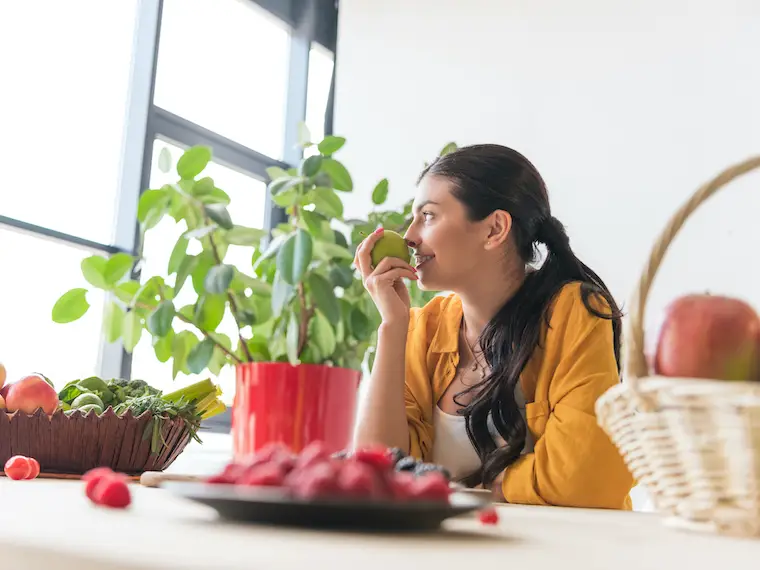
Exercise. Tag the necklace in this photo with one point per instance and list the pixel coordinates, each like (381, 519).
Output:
(476, 362)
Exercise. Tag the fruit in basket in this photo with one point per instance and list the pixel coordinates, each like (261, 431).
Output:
(29, 394)
(709, 336)
(2, 403)
(3, 374)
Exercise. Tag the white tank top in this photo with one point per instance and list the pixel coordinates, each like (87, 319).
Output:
(452, 447)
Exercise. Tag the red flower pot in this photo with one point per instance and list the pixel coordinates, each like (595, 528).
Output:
(295, 405)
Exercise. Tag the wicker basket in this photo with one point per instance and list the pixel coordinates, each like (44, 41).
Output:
(694, 444)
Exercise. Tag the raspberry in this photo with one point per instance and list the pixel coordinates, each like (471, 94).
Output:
(270, 451)
(112, 491)
(96, 472)
(358, 480)
(312, 454)
(267, 475)
(94, 477)
(378, 458)
(430, 487)
(488, 516)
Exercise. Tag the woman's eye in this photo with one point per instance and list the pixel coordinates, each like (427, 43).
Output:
(427, 216)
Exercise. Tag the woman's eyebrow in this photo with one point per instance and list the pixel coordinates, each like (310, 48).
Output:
(425, 203)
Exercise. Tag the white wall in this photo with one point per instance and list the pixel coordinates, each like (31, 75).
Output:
(625, 107)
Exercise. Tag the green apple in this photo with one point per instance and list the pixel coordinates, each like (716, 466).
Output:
(391, 244)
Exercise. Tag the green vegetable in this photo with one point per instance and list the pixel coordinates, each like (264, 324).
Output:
(87, 408)
(86, 399)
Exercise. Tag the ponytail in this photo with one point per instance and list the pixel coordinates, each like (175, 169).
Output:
(509, 340)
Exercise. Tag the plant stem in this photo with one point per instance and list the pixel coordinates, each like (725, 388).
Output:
(184, 319)
(306, 314)
(233, 302)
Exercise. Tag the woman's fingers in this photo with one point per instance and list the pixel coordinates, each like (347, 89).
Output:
(389, 277)
(388, 263)
(363, 259)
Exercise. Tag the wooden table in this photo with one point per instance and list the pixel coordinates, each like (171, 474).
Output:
(50, 524)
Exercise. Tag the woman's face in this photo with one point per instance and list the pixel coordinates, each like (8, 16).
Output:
(449, 248)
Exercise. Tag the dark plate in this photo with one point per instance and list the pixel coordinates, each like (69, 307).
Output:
(273, 506)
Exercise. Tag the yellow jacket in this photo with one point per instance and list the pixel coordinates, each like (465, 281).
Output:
(574, 463)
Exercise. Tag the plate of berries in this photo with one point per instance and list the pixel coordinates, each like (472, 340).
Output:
(367, 489)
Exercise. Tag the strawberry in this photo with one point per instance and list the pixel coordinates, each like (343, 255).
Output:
(377, 457)
(316, 482)
(400, 484)
(267, 475)
(432, 486)
(312, 454)
(113, 492)
(488, 516)
(358, 480)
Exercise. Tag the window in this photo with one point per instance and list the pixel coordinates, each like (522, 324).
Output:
(321, 63)
(223, 64)
(62, 110)
(36, 272)
(248, 208)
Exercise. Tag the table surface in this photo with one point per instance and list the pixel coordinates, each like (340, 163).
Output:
(50, 524)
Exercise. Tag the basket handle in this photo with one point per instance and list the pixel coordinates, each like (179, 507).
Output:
(635, 359)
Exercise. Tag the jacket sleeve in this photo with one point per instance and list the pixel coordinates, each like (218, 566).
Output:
(574, 463)
(417, 390)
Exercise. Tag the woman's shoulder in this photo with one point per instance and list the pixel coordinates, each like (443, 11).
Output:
(574, 304)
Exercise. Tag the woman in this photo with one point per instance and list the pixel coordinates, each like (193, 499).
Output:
(496, 381)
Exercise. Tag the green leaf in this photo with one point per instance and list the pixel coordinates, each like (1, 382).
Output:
(322, 334)
(331, 144)
(131, 330)
(342, 276)
(209, 311)
(160, 320)
(162, 346)
(204, 186)
(193, 161)
(126, 291)
(200, 356)
(245, 281)
(71, 306)
(304, 135)
(311, 165)
(450, 147)
(183, 344)
(117, 267)
(360, 325)
(326, 202)
(282, 294)
(327, 251)
(113, 321)
(286, 198)
(94, 271)
(294, 256)
(324, 297)
(340, 238)
(313, 224)
(380, 193)
(186, 267)
(200, 233)
(150, 201)
(178, 255)
(204, 262)
(241, 235)
(291, 339)
(216, 196)
(340, 177)
(219, 214)
(165, 160)
(219, 278)
(275, 172)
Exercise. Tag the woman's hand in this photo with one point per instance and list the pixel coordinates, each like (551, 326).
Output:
(384, 282)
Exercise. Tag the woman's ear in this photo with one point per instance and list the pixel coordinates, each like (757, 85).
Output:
(499, 224)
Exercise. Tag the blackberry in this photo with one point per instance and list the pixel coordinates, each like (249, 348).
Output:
(423, 468)
(408, 463)
(396, 454)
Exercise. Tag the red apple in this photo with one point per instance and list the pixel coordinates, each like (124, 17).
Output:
(709, 336)
(30, 393)
(2, 403)
(2, 374)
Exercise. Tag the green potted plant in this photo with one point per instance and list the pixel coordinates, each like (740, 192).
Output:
(306, 327)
